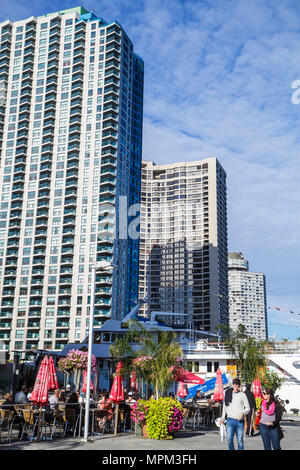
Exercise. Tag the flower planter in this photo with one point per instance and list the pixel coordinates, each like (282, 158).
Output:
(138, 430)
(145, 431)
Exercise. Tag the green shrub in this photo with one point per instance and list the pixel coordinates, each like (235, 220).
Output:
(164, 418)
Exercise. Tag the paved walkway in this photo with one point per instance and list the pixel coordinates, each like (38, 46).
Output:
(184, 441)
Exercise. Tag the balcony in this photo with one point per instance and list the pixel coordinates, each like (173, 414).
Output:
(66, 260)
(31, 345)
(5, 325)
(6, 313)
(72, 183)
(38, 261)
(63, 312)
(64, 301)
(37, 271)
(36, 292)
(34, 312)
(37, 281)
(33, 324)
(65, 280)
(33, 334)
(35, 302)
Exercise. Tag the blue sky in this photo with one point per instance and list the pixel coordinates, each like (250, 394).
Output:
(218, 79)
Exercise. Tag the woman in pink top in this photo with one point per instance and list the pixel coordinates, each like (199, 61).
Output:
(269, 423)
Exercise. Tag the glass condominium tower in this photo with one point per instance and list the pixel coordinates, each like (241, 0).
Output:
(71, 146)
(183, 245)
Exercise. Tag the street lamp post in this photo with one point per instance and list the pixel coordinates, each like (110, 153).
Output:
(101, 265)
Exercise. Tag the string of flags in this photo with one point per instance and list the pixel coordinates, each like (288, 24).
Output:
(281, 324)
(284, 310)
(274, 308)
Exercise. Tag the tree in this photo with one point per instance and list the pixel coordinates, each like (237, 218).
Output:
(123, 350)
(157, 350)
(249, 353)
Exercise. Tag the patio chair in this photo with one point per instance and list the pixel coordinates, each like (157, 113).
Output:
(71, 419)
(58, 423)
(5, 422)
(100, 421)
(31, 420)
(196, 418)
(124, 418)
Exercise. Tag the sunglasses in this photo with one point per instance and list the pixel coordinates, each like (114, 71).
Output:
(265, 393)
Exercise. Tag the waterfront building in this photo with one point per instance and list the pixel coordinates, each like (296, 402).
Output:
(71, 133)
(247, 297)
(183, 243)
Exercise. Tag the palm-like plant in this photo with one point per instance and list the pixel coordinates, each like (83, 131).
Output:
(249, 353)
(158, 345)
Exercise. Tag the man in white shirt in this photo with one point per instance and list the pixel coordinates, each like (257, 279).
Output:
(236, 407)
(130, 400)
(53, 400)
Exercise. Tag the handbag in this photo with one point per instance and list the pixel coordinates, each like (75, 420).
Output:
(280, 432)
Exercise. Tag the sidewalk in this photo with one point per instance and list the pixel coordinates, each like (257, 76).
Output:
(184, 441)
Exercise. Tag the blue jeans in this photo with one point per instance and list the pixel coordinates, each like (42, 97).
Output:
(235, 426)
(270, 437)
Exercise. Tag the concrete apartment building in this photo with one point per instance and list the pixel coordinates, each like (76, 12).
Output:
(71, 144)
(247, 297)
(183, 243)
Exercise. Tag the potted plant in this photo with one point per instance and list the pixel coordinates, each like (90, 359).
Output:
(139, 411)
(75, 362)
(163, 417)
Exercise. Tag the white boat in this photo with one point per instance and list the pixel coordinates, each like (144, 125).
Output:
(203, 354)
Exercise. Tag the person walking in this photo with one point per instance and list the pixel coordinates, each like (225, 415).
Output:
(250, 415)
(236, 407)
(269, 426)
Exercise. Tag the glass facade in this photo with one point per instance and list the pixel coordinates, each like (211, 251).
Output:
(71, 108)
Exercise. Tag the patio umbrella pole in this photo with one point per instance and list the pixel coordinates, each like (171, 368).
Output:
(80, 419)
(116, 419)
(39, 424)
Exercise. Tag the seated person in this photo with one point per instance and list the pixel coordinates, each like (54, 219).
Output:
(72, 402)
(21, 396)
(104, 405)
(7, 405)
(53, 400)
(197, 398)
(130, 400)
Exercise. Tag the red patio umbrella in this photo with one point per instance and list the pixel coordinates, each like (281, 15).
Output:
(84, 376)
(182, 375)
(53, 382)
(117, 389)
(133, 382)
(117, 392)
(182, 390)
(256, 387)
(41, 386)
(39, 394)
(219, 390)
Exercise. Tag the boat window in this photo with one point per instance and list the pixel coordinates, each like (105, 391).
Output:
(106, 337)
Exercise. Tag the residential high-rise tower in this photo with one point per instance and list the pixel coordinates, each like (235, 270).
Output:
(71, 137)
(183, 246)
(247, 297)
